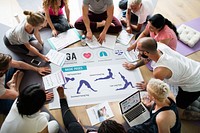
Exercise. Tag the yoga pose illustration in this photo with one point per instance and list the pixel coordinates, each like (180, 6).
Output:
(67, 80)
(126, 83)
(87, 84)
(110, 75)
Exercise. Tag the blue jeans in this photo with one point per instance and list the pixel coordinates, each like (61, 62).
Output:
(5, 104)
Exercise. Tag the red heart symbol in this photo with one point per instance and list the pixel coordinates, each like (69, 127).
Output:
(87, 55)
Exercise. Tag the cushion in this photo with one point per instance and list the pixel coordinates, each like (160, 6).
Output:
(188, 35)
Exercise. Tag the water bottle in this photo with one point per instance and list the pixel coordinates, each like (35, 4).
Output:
(83, 40)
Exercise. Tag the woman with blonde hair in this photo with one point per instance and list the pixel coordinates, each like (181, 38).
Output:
(53, 10)
(20, 39)
(163, 113)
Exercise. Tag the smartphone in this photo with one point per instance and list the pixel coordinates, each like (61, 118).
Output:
(35, 62)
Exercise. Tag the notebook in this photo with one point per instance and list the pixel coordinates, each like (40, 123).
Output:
(64, 39)
(133, 110)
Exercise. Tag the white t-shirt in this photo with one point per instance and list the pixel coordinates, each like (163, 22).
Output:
(146, 9)
(185, 71)
(15, 123)
(2, 88)
(18, 34)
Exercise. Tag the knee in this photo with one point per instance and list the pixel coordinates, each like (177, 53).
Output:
(78, 25)
(53, 126)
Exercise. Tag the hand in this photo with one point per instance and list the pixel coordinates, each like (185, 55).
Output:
(89, 35)
(43, 70)
(45, 58)
(41, 42)
(133, 46)
(129, 30)
(112, 24)
(49, 95)
(71, 25)
(102, 37)
(54, 32)
(129, 66)
(142, 85)
(146, 101)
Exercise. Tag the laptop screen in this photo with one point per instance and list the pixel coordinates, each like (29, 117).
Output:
(130, 102)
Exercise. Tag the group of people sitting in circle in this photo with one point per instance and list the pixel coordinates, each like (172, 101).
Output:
(156, 43)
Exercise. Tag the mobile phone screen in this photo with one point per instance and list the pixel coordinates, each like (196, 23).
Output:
(35, 62)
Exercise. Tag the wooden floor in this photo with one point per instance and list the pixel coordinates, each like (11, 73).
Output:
(177, 11)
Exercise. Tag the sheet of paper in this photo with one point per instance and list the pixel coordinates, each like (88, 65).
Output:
(109, 42)
(124, 37)
(99, 113)
(56, 57)
(55, 104)
(131, 56)
(53, 80)
(64, 39)
(93, 43)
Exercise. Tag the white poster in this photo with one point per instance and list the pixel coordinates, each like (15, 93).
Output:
(96, 75)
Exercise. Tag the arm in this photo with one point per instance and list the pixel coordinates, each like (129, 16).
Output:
(86, 21)
(37, 36)
(162, 73)
(9, 94)
(128, 21)
(130, 26)
(36, 52)
(26, 66)
(163, 121)
(67, 11)
(110, 10)
(46, 11)
(134, 45)
(128, 17)
(136, 27)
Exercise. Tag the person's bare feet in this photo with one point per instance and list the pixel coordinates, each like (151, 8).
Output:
(19, 79)
(14, 83)
(61, 93)
(102, 23)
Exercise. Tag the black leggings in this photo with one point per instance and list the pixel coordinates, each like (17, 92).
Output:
(60, 23)
(70, 122)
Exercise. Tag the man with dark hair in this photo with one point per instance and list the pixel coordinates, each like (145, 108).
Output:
(10, 80)
(174, 69)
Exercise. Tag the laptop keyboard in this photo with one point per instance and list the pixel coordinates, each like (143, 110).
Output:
(135, 112)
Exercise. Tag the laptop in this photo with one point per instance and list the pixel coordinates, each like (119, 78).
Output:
(133, 110)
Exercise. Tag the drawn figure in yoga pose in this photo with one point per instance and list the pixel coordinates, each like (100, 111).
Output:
(87, 84)
(67, 80)
(126, 83)
(110, 75)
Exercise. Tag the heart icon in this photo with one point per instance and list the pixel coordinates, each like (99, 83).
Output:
(87, 55)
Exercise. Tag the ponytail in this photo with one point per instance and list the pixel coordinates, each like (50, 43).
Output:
(171, 26)
(34, 18)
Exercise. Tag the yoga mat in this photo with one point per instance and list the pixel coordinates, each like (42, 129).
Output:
(183, 48)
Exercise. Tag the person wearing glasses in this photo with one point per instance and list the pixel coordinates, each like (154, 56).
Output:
(162, 30)
(175, 69)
